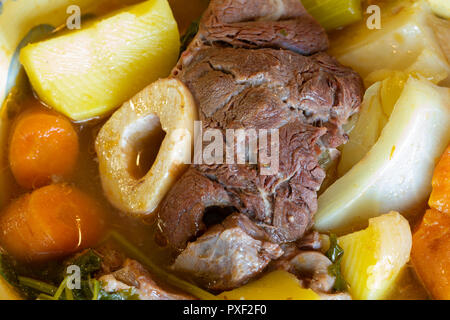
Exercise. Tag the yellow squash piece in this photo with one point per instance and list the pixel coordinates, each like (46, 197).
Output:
(277, 285)
(411, 38)
(396, 173)
(374, 257)
(90, 72)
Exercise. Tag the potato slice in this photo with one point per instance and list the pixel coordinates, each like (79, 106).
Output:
(396, 173)
(277, 285)
(409, 34)
(166, 105)
(90, 72)
(374, 257)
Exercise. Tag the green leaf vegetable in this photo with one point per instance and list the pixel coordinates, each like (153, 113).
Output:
(335, 254)
(135, 253)
(190, 33)
(90, 288)
(187, 38)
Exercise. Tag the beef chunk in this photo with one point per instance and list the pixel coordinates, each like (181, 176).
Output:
(133, 275)
(263, 93)
(266, 88)
(282, 204)
(311, 241)
(258, 24)
(112, 259)
(256, 64)
(228, 254)
(181, 215)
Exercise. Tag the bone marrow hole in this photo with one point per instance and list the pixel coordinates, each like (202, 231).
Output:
(214, 215)
(143, 139)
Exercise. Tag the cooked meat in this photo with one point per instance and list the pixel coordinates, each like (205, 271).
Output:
(257, 64)
(311, 241)
(283, 205)
(310, 267)
(335, 296)
(133, 275)
(301, 96)
(228, 254)
(255, 24)
(182, 211)
(313, 265)
(267, 88)
(112, 259)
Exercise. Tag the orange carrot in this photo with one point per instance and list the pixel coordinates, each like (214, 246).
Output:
(43, 148)
(430, 253)
(50, 222)
(440, 197)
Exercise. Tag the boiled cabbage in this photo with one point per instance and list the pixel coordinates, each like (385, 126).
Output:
(411, 39)
(396, 173)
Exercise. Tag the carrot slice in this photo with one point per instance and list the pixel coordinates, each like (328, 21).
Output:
(43, 148)
(430, 253)
(440, 196)
(51, 222)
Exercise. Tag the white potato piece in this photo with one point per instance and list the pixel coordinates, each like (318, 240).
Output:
(165, 105)
(410, 35)
(396, 173)
(374, 257)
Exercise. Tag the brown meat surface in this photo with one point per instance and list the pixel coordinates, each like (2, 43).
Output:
(228, 254)
(132, 275)
(255, 24)
(183, 214)
(307, 99)
(256, 64)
